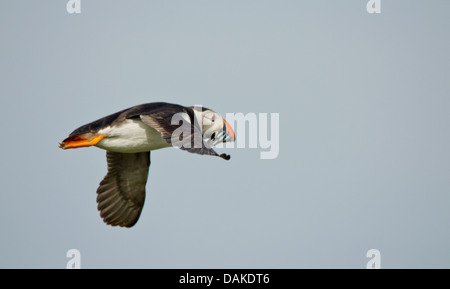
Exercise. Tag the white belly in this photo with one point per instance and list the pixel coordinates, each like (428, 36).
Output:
(132, 136)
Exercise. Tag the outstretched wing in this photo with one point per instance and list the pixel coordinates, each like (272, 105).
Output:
(121, 193)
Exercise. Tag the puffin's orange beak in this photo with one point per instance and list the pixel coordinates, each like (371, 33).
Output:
(228, 133)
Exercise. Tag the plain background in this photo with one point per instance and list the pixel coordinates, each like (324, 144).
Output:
(364, 156)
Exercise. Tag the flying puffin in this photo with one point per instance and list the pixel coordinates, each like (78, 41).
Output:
(129, 135)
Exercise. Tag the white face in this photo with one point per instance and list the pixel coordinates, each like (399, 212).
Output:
(212, 127)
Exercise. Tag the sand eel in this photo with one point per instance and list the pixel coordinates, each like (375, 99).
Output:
(129, 135)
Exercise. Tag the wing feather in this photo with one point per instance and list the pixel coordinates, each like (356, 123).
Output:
(162, 122)
(121, 193)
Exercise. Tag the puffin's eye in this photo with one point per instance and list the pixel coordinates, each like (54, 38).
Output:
(213, 136)
(213, 119)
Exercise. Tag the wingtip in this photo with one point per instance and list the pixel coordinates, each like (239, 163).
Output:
(225, 157)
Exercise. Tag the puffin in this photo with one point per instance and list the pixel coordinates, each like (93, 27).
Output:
(128, 136)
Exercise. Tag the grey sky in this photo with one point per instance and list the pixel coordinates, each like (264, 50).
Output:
(364, 158)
